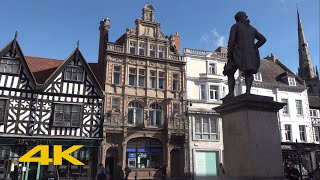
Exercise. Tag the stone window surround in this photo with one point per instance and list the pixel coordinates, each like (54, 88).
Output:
(217, 120)
(207, 91)
(288, 132)
(147, 44)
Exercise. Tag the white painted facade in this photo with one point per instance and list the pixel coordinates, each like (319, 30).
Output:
(291, 118)
(206, 85)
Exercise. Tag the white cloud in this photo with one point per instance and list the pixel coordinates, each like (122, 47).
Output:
(213, 39)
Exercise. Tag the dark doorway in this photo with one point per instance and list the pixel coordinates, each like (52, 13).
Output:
(177, 163)
(112, 158)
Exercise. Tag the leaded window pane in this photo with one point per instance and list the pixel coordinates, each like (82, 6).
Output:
(67, 115)
(73, 73)
(2, 110)
(9, 66)
(213, 124)
(206, 125)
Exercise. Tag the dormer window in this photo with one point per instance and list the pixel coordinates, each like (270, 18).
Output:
(9, 66)
(142, 49)
(291, 81)
(257, 77)
(152, 50)
(132, 48)
(73, 73)
(212, 68)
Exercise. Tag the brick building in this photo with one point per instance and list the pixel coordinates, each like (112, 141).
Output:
(145, 125)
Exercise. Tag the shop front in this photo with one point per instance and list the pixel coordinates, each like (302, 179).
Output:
(11, 150)
(301, 154)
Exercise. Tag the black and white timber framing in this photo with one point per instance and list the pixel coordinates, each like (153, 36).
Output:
(29, 110)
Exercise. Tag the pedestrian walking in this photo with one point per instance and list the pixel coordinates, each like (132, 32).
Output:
(101, 173)
(15, 174)
(127, 170)
(221, 172)
(164, 171)
(117, 172)
(292, 172)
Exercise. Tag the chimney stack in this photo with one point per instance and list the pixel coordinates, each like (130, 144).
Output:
(103, 39)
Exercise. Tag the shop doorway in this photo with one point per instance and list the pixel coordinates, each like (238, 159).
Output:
(112, 157)
(176, 163)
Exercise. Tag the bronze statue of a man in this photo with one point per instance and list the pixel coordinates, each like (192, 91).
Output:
(243, 53)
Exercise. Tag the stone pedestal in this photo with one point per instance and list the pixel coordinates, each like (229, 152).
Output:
(251, 137)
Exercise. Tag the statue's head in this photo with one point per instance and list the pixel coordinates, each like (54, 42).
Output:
(240, 16)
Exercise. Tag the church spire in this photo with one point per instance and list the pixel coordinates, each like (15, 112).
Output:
(306, 71)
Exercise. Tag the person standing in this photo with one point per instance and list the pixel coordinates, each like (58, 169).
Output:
(127, 171)
(292, 172)
(221, 172)
(164, 171)
(117, 172)
(15, 174)
(101, 173)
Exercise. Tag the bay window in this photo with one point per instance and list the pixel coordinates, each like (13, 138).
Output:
(206, 128)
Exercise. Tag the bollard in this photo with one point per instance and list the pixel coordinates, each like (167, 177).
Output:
(136, 175)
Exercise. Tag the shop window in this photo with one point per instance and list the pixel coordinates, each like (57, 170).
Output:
(206, 129)
(74, 73)
(155, 115)
(135, 113)
(206, 159)
(10, 66)
(67, 115)
(144, 153)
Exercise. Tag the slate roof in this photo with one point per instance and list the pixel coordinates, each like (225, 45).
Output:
(314, 102)
(274, 73)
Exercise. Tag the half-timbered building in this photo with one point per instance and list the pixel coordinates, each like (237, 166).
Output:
(49, 102)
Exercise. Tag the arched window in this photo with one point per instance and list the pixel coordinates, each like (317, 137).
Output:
(144, 153)
(155, 115)
(135, 113)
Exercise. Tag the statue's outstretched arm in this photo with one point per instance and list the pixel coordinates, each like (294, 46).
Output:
(261, 39)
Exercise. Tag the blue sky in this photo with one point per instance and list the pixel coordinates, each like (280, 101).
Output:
(52, 28)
